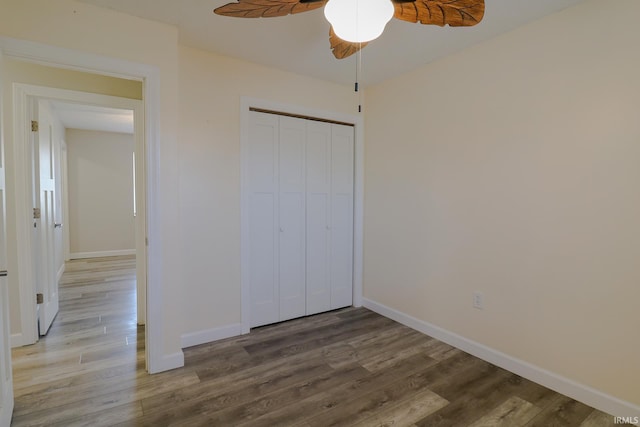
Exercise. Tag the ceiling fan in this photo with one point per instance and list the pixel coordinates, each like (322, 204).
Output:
(350, 19)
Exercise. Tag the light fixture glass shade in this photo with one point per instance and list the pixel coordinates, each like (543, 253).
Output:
(358, 20)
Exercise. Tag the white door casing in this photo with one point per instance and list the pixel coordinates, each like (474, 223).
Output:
(6, 379)
(141, 212)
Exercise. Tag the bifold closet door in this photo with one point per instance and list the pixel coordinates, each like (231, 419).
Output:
(292, 209)
(318, 217)
(276, 218)
(342, 161)
(330, 149)
(262, 186)
(300, 201)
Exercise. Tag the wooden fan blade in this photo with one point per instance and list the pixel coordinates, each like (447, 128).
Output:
(455, 13)
(342, 49)
(267, 8)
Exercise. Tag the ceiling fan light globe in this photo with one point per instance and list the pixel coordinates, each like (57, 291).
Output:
(358, 20)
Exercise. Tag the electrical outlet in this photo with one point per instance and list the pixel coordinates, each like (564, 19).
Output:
(478, 300)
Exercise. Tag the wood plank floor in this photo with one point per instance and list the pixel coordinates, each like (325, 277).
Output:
(349, 367)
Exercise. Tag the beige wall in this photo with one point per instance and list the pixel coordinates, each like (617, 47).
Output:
(100, 182)
(210, 90)
(512, 169)
(41, 75)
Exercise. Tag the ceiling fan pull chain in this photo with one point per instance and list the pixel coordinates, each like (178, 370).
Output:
(358, 74)
(357, 88)
(358, 59)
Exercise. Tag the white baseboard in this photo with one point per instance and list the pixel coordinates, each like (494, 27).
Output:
(166, 363)
(209, 335)
(580, 392)
(100, 254)
(16, 340)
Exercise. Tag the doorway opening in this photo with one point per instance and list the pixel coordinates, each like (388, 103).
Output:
(149, 76)
(54, 244)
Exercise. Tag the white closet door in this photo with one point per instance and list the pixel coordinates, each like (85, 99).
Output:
(318, 217)
(342, 152)
(292, 217)
(300, 200)
(262, 182)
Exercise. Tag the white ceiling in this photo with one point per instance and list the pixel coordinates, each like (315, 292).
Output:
(300, 43)
(89, 117)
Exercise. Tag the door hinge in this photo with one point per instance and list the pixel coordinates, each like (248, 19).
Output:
(39, 298)
(36, 213)
(34, 126)
(146, 241)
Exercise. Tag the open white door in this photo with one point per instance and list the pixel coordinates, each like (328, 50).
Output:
(44, 204)
(6, 381)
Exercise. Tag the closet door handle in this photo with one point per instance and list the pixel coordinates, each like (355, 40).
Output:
(3, 273)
